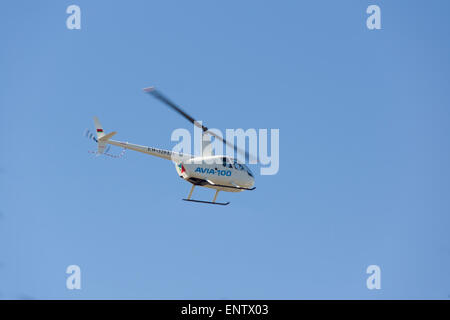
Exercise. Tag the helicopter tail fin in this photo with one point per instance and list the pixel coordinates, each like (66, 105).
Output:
(102, 138)
(98, 128)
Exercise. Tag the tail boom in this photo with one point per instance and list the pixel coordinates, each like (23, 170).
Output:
(161, 153)
(104, 139)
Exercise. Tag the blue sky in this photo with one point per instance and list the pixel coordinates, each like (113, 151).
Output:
(364, 176)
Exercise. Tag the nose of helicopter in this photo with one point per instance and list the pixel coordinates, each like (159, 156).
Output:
(251, 181)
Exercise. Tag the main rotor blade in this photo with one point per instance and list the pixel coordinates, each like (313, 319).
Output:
(247, 155)
(158, 95)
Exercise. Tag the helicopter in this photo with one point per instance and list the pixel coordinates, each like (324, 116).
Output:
(218, 172)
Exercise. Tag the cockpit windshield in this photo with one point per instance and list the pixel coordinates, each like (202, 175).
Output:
(237, 165)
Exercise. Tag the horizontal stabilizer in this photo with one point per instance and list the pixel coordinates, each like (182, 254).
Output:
(107, 136)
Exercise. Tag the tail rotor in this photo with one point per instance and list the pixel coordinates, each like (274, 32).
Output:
(102, 140)
(88, 134)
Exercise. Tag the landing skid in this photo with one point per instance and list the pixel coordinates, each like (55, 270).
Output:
(209, 202)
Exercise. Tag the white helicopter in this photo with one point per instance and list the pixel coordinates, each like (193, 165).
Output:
(218, 172)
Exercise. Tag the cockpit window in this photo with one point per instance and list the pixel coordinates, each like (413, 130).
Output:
(240, 166)
(237, 165)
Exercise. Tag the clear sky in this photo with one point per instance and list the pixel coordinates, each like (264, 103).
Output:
(364, 149)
